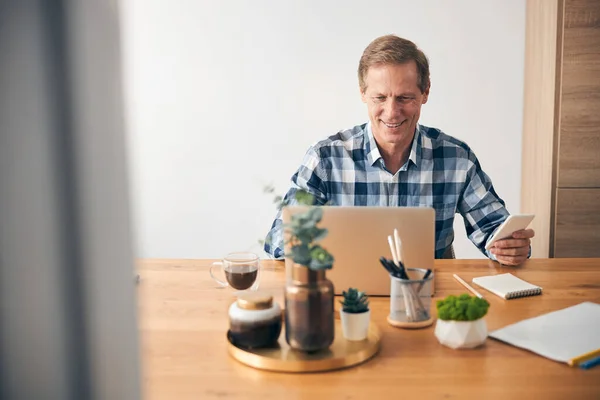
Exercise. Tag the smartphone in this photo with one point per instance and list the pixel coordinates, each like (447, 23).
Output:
(512, 224)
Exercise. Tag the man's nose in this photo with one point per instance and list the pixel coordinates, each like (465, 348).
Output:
(393, 107)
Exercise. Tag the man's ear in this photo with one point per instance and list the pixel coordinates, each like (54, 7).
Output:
(363, 95)
(426, 95)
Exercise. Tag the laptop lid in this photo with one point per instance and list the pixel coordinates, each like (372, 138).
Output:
(357, 238)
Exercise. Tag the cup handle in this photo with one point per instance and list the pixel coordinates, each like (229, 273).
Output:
(256, 283)
(220, 282)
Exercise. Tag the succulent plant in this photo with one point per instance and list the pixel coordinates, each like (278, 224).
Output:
(355, 302)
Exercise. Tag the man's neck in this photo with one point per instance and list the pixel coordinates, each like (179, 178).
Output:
(395, 155)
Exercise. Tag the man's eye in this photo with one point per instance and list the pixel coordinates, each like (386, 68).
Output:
(380, 98)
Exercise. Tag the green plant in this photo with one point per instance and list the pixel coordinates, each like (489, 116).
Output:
(355, 302)
(304, 234)
(462, 308)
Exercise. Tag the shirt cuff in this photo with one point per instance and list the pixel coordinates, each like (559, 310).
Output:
(491, 256)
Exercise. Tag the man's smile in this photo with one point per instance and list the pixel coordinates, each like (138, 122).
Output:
(392, 125)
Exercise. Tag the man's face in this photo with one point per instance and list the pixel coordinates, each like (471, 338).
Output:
(394, 101)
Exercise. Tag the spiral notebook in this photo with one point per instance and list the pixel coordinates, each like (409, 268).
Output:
(507, 286)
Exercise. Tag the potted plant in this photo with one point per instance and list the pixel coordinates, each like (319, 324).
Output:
(460, 323)
(355, 314)
(304, 235)
(309, 319)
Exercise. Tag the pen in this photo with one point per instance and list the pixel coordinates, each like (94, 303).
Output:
(400, 271)
(465, 284)
(590, 363)
(384, 262)
(427, 273)
(396, 271)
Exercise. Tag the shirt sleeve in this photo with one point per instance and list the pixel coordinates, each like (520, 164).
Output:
(311, 177)
(482, 209)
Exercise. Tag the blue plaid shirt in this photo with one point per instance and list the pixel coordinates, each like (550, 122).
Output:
(442, 172)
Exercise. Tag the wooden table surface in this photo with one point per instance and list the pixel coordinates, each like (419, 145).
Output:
(183, 322)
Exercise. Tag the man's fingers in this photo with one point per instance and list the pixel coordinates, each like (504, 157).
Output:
(524, 234)
(511, 243)
(513, 251)
(511, 260)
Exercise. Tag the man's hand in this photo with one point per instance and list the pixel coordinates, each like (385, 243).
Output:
(513, 250)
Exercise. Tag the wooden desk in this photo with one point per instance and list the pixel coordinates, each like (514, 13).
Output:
(183, 320)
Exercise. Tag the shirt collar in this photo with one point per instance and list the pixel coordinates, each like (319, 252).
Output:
(371, 149)
(416, 149)
(373, 154)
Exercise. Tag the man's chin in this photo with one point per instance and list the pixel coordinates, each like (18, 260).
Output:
(394, 135)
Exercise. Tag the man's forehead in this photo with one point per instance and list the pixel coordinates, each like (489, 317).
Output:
(409, 67)
(397, 87)
(391, 75)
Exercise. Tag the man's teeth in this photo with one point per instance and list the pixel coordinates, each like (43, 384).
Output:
(392, 125)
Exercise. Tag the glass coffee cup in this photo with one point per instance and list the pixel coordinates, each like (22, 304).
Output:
(241, 271)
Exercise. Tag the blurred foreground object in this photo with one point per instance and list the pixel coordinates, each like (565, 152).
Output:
(67, 300)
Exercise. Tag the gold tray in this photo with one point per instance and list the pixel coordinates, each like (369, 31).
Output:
(341, 354)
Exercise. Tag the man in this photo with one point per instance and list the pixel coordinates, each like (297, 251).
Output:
(394, 161)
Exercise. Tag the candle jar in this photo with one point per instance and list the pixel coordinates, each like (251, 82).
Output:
(254, 321)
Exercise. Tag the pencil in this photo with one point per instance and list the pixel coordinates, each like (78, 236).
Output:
(465, 284)
(393, 250)
(576, 360)
(400, 253)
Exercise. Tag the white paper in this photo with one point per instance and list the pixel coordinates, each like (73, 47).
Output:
(559, 335)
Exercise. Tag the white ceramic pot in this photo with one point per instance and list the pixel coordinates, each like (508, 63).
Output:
(355, 326)
(461, 334)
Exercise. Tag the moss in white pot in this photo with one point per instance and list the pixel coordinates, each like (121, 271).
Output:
(460, 323)
(355, 314)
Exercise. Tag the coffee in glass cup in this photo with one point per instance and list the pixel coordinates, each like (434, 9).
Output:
(241, 270)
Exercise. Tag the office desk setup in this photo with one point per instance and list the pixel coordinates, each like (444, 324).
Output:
(183, 321)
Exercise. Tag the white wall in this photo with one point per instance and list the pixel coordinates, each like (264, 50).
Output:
(224, 97)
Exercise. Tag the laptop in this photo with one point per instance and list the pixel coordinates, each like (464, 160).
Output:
(357, 238)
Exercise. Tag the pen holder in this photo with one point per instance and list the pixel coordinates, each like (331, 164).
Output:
(410, 300)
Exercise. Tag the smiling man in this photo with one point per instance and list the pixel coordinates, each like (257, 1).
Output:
(394, 161)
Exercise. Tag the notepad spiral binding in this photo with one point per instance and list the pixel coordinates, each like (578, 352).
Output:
(523, 293)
